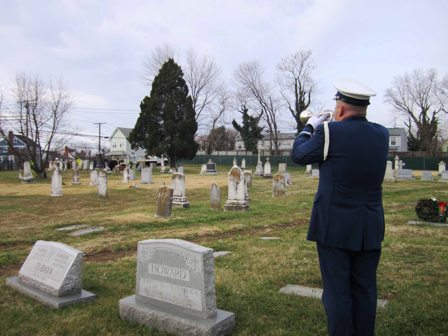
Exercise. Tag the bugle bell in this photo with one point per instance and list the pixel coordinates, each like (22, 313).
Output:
(307, 114)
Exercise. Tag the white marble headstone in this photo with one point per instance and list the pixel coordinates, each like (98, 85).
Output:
(146, 175)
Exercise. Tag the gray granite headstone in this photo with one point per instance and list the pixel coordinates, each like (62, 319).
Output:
(404, 174)
(243, 163)
(88, 230)
(52, 274)
(316, 293)
(175, 290)
(210, 168)
(444, 176)
(308, 170)
(442, 167)
(278, 186)
(125, 175)
(164, 202)
(215, 197)
(426, 175)
(146, 175)
(315, 173)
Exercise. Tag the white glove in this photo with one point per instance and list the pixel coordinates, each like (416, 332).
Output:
(317, 119)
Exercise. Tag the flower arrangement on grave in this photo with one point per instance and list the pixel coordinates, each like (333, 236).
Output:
(432, 210)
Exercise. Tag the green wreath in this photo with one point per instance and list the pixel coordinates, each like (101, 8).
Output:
(428, 210)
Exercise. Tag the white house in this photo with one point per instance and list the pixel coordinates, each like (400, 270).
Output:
(120, 148)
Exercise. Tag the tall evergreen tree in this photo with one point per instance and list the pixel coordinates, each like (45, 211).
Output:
(166, 124)
(250, 131)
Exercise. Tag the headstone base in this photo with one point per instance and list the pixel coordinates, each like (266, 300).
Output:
(47, 299)
(181, 202)
(211, 172)
(76, 183)
(236, 206)
(56, 195)
(389, 179)
(221, 325)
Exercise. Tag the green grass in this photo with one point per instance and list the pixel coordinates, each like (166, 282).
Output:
(413, 272)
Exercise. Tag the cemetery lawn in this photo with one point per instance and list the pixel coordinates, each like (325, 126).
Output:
(413, 272)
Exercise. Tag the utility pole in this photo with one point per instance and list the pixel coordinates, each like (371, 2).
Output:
(100, 161)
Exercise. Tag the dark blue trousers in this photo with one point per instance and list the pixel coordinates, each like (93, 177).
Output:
(350, 294)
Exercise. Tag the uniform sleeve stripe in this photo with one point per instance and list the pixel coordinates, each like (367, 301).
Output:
(327, 139)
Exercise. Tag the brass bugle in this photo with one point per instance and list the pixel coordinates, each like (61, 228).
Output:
(307, 114)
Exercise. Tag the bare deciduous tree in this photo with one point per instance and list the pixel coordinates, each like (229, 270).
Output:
(297, 85)
(249, 76)
(38, 116)
(154, 62)
(415, 97)
(203, 78)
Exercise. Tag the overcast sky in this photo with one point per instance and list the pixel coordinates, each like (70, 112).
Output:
(98, 47)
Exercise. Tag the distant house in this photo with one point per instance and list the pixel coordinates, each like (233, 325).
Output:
(120, 147)
(8, 157)
(398, 140)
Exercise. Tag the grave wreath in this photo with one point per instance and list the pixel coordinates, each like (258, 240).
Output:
(431, 210)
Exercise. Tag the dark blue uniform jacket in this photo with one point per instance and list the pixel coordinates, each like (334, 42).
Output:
(348, 210)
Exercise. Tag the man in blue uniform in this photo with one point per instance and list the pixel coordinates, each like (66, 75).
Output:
(347, 220)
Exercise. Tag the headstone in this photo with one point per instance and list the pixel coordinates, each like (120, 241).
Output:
(444, 176)
(64, 165)
(389, 175)
(236, 191)
(248, 178)
(74, 164)
(315, 173)
(102, 184)
(180, 170)
(308, 170)
(404, 174)
(243, 163)
(288, 179)
(175, 290)
(316, 293)
(71, 227)
(146, 175)
(52, 274)
(178, 185)
(85, 165)
(27, 173)
(211, 168)
(162, 165)
(235, 163)
(56, 179)
(215, 197)
(426, 175)
(91, 166)
(125, 175)
(131, 174)
(267, 172)
(282, 168)
(75, 177)
(219, 254)
(164, 202)
(270, 238)
(259, 168)
(442, 167)
(88, 230)
(203, 169)
(278, 186)
(93, 178)
(397, 162)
